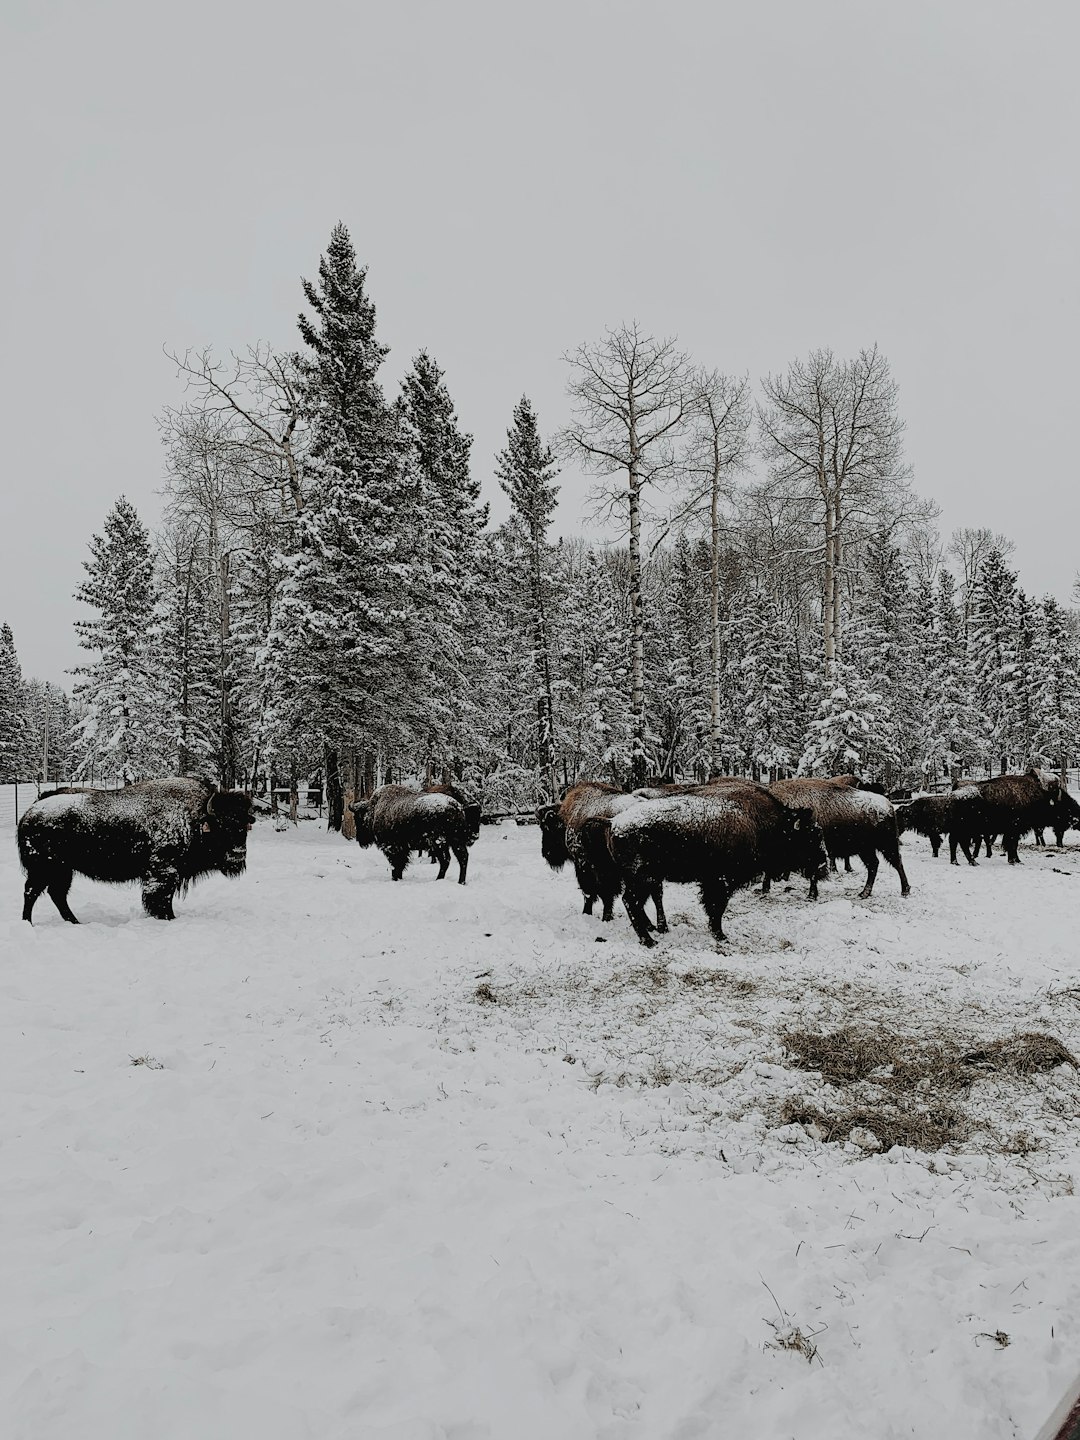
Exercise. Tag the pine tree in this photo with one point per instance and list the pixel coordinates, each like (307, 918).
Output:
(1057, 687)
(592, 690)
(14, 730)
(839, 736)
(340, 637)
(993, 647)
(449, 519)
(882, 645)
(123, 730)
(526, 472)
(952, 737)
(766, 687)
(193, 693)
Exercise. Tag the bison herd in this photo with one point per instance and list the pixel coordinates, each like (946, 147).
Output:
(720, 836)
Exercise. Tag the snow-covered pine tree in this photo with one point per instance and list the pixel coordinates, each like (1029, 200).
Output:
(765, 686)
(14, 729)
(1025, 722)
(882, 646)
(50, 716)
(122, 732)
(677, 656)
(340, 638)
(1056, 687)
(192, 685)
(449, 520)
(839, 736)
(953, 737)
(993, 649)
(593, 670)
(526, 471)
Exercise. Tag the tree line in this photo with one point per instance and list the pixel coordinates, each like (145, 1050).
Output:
(326, 595)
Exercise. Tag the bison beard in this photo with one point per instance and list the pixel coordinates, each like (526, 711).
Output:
(164, 833)
(399, 820)
(718, 838)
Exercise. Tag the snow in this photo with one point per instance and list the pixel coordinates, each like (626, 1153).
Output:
(675, 809)
(430, 1163)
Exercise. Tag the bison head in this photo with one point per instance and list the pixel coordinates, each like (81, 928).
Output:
(808, 845)
(228, 817)
(472, 822)
(552, 836)
(361, 812)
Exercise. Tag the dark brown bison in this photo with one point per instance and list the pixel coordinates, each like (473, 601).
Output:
(400, 820)
(565, 836)
(960, 814)
(163, 833)
(1018, 804)
(719, 838)
(853, 821)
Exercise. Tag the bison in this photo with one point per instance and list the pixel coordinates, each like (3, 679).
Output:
(566, 835)
(719, 837)
(853, 820)
(1017, 804)
(959, 813)
(400, 820)
(163, 833)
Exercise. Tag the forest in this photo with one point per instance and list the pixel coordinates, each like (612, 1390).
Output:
(326, 600)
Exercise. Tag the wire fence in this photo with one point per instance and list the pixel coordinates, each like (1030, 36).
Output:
(17, 796)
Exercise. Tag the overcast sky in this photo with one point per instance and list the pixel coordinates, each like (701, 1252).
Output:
(758, 178)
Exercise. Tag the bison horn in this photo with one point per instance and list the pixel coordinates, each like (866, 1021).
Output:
(210, 805)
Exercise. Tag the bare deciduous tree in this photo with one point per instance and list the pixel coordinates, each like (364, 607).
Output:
(630, 394)
(832, 434)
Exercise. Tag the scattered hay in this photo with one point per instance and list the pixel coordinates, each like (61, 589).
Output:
(793, 1337)
(897, 1124)
(904, 1062)
(718, 980)
(147, 1060)
(485, 995)
(1025, 1054)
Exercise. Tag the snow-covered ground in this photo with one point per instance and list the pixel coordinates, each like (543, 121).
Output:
(430, 1163)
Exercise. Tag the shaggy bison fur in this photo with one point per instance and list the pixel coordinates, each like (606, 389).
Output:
(1017, 804)
(853, 821)
(400, 820)
(568, 834)
(960, 814)
(719, 837)
(163, 833)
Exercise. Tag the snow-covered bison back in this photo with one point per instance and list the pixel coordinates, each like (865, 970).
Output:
(163, 833)
(400, 820)
(853, 821)
(719, 838)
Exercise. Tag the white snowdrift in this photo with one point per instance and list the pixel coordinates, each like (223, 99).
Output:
(359, 1200)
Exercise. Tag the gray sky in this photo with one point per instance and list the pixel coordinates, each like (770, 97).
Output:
(759, 179)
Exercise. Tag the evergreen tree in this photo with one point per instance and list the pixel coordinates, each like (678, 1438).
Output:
(952, 737)
(526, 472)
(993, 647)
(1056, 688)
(193, 693)
(592, 691)
(123, 729)
(340, 637)
(766, 687)
(883, 648)
(449, 519)
(838, 740)
(14, 731)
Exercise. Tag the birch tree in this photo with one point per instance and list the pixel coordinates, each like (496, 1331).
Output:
(833, 437)
(631, 396)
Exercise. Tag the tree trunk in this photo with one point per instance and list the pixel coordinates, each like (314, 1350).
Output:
(637, 653)
(714, 631)
(335, 797)
(545, 706)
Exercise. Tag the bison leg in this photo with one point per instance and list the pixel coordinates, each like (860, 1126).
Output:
(158, 888)
(461, 855)
(714, 898)
(586, 909)
(891, 851)
(832, 863)
(1010, 841)
(847, 864)
(766, 885)
(633, 898)
(1039, 837)
(870, 860)
(441, 853)
(36, 882)
(399, 858)
(657, 894)
(989, 842)
(965, 845)
(1059, 836)
(935, 845)
(59, 886)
